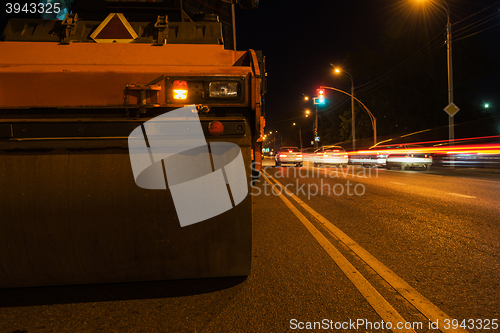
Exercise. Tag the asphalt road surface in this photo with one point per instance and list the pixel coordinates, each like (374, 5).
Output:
(347, 250)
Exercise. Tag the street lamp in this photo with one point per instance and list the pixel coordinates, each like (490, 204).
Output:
(300, 136)
(337, 71)
(274, 137)
(451, 107)
(315, 122)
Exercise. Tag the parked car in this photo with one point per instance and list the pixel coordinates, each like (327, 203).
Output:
(330, 155)
(289, 155)
(409, 160)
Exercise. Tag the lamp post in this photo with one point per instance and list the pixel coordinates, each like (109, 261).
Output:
(315, 123)
(315, 127)
(451, 133)
(274, 138)
(337, 70)
(271, 147)
(300, 135)
(451, 109)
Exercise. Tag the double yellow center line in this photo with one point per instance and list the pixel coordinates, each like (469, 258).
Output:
(374, 298)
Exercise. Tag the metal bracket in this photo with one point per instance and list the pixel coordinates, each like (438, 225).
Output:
(140, 92)
(68, 28)
(161, 27)
(202, 108)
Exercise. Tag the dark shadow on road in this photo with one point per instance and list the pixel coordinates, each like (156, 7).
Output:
(113, 292)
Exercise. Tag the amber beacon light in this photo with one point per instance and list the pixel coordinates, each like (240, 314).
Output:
(180, 89)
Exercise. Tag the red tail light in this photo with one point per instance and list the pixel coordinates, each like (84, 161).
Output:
(299, 155)
(215, 128)
(283, 155)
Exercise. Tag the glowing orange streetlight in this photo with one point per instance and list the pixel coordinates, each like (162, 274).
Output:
(300, 135)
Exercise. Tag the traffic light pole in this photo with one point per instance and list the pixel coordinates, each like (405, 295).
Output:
(318, 100)
(316, 130)
(372, 117)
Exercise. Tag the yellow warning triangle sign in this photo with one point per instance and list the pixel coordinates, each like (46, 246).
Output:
(114, 29)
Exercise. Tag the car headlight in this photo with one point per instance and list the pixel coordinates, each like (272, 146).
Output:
(228, 89)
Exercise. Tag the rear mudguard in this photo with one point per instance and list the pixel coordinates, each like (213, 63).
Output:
(71, 213)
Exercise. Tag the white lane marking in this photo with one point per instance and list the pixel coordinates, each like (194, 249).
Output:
(374, 298)
(422, 304)
(396, 183)
(462, 195)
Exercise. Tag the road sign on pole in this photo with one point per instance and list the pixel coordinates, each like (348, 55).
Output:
(451, 109)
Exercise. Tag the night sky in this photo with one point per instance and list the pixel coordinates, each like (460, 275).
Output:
(301, 39)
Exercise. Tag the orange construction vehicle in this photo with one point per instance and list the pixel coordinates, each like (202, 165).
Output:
(71, 92)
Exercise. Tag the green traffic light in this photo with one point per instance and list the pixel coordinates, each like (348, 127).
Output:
(319, 100)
